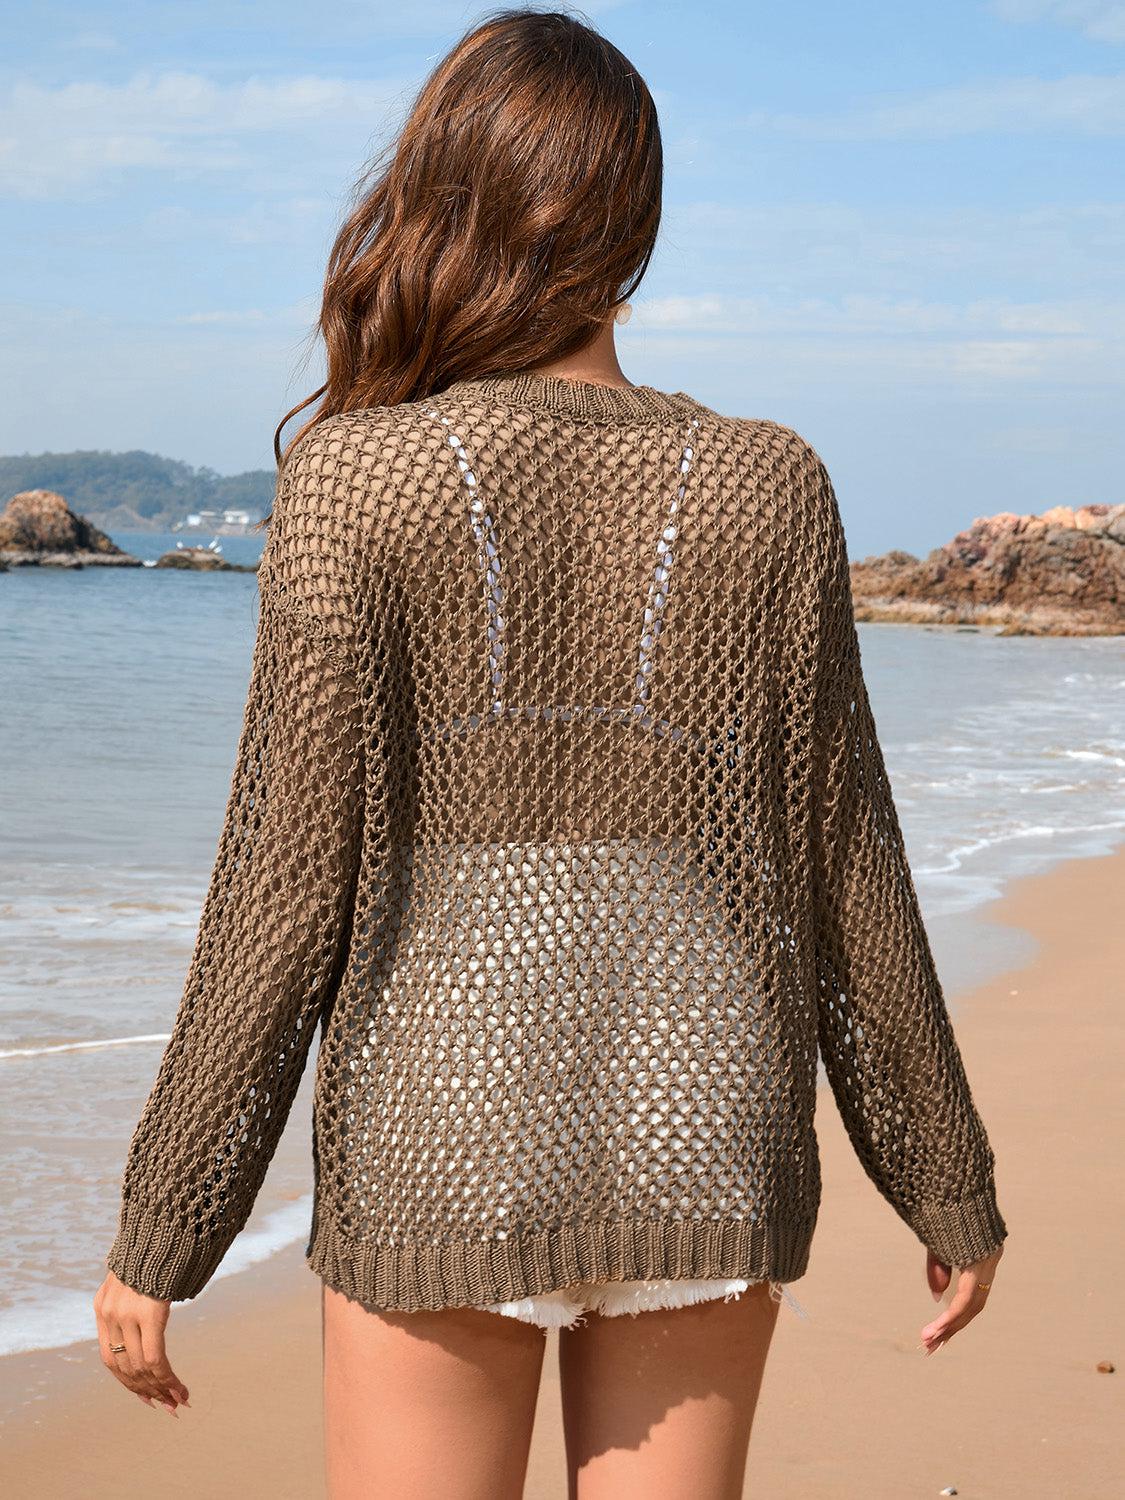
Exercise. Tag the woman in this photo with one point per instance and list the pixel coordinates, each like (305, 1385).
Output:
(559, 811)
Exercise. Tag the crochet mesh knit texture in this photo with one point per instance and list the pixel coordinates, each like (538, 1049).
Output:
(560, 814)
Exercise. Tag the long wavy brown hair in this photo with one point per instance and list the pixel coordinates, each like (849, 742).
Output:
(518, 204)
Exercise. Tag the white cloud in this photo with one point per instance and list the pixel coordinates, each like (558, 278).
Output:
(299, 315)
(860, 315)
(1007, 359)
(935, 254)
(1103, 20)
(890, 368)
(233, 317)
(979, 344)
(962, 301)
(63, 140)
(1081, 104)
(259, 220)
(210, 393)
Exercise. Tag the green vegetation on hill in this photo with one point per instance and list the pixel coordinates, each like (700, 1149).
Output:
(134, 491)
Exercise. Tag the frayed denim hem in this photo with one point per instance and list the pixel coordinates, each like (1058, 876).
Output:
(568, 1306)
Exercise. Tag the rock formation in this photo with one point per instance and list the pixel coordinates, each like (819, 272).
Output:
(202, 560)
(38, 528)
(1059, 573)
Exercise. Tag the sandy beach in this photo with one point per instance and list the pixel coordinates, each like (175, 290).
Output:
(1013, 1406)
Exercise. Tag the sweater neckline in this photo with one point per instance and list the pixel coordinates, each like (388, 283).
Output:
(569, 396)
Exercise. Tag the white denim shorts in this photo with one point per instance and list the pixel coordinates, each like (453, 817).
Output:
(567, 1307)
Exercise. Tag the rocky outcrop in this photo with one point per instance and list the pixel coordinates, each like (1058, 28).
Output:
(201, 560)
(38, 528)
(1059, 573)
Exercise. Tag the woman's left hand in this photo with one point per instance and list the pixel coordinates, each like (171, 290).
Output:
(968, 1300)
(129, 1318)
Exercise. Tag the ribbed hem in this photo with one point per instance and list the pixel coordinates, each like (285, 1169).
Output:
(407, 1278)
(960, 1233)
(161, 1259)
(588, 400)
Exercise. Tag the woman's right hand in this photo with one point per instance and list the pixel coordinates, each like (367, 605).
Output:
(128, 1317)
(968, 1299)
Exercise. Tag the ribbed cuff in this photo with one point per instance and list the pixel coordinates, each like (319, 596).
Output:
(162, 1259)
(960, 1233)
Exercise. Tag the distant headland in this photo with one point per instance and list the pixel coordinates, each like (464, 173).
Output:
(141, 491)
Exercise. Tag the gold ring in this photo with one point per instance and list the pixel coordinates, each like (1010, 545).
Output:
(117, 1348)
(984, 1285)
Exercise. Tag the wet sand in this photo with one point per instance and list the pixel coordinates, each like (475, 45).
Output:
(851, 1407)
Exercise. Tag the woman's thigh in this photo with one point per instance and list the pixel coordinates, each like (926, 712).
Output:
(427, 1405)
(659, 1406)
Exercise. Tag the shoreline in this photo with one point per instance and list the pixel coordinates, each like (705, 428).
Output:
(969, 950)
(1014, 1405)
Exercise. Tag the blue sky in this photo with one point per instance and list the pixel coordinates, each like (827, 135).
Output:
(899, 229)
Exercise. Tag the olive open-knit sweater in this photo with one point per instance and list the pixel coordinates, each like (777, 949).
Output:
(559, 811)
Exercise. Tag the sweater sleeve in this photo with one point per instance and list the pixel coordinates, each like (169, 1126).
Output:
(885, 1035)
(275, 921)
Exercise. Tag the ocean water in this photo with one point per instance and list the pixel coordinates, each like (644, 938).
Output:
(122, 693)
